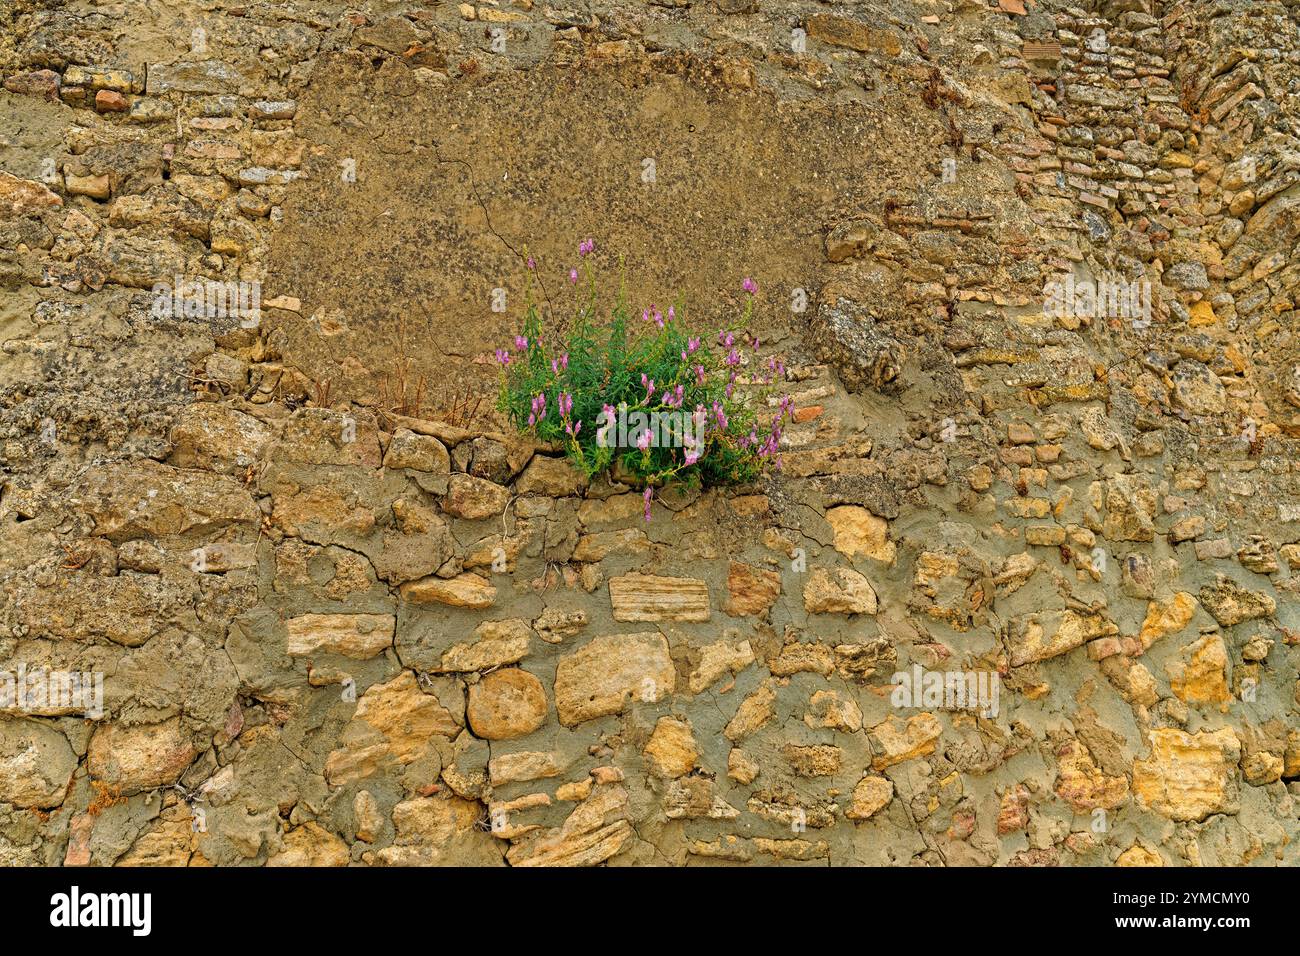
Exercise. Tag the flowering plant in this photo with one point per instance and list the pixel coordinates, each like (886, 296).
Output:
(648, 397)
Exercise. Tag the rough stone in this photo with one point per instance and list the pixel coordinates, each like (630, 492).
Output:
(601, 677)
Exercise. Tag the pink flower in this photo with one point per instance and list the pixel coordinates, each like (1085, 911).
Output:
(503, 356)
(695, 447)
(532, 264)
(573, 276)
(586, 246)
(749, 285)
(521, 343)
(643, 442)
(602, 432)
(649, 385)
(566, 404)
(649, 493)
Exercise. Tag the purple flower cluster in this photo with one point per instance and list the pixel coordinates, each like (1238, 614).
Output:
(712, 429)
(539, 409)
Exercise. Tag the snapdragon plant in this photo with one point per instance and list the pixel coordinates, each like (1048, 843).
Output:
(642, 394)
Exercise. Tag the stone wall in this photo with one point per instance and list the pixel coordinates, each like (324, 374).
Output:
(344, 615)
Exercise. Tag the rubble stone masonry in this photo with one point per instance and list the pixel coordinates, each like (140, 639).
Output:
(344, 615)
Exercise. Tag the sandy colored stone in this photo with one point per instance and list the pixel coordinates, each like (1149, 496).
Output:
(1139, 855)
(601, 677)
(578, 790)
(1189, 776)
(168, 841)
(496, 644)
(1034, 639)
(832, 710)
(506, 704)
(803, 657)
(327, 436)
(395, 721)
(718, 659)
(522, 767)
(211, 436)
(596, 830)
(818, 760)
(358, 636)
(1201, 675)
(694, 798)
(741, 768)
(1260, 767)
(1080, 783)
(129, 759)
(1167, 617)
(842, 591)
(429, 829)
(750, 590)
(1230, 603)
(465, 590)
(556, 624)
(601, 544)
(36, 763)
(148, 499)
(423, 453)
(24, 197)
(754, 711)
(1013, 810)
(310, 845)
(854, 34)
(859, 532)
(932, 567)
(474, 498)
(405, 715)
(672, 750)
(898, 740)
(552, 477)
(648, 597)
(871, 795)
(369, 819)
